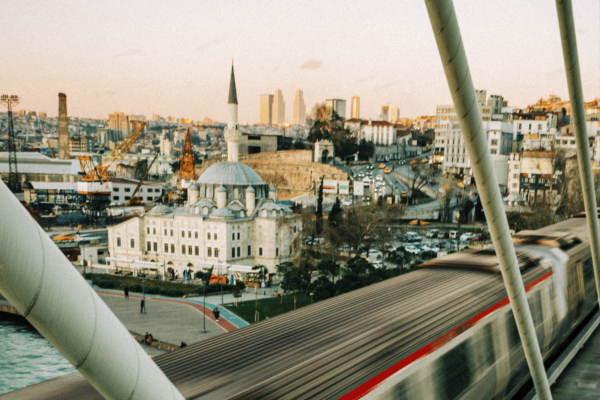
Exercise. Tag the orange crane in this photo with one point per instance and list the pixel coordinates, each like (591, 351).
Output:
(50, 147)
(133, 201)
(100, 173)
(187, 167)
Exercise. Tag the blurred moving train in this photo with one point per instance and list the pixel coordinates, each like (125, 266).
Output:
(445, 331)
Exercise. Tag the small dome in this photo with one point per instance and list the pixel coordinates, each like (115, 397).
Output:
(229, 173)
(204, 203)
(250, 190)
(194, 187)
(223, 213)
(160, 209)
(272, 189)
(221, 189)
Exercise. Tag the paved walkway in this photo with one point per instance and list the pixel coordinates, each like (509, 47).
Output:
(168, 320)
(581, 379)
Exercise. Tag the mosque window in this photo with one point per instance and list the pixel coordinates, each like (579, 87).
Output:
(166, 247)
(165, 232)
(154, 231)
(233, 252)
(148, 230)
(260, 251)
(171, 232)
(209, 252)
(249, 251)
(190, 250)
(149, 246)
(208, 235)
(216, 252)
(155, 247)
(196, 235)
(239, 251)
(233, 236)
(277, 252)
(183, 249)
(182, 234)
(215, 237)
(197, 250)
(132, 243)
(238, 235)
(189, 234)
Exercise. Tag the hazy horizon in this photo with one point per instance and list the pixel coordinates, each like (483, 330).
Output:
(174, 58)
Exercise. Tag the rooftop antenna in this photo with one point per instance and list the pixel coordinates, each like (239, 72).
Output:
(13, 174)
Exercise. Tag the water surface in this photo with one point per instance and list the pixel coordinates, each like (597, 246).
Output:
(25, 356)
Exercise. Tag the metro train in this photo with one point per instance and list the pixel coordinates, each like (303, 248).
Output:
(445, 331)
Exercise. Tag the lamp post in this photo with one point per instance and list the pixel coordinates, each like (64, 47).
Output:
(144, 293)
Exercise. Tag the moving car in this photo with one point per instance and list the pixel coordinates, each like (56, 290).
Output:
(381, 166)
(386, 171)
(370, 166)
(379, 178)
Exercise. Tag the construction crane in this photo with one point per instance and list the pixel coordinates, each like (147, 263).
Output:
(96, 178)
(187, 167)
(133, 201)
(50, 147)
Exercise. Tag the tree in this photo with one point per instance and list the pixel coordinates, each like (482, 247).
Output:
(175, 166)
(322, 289)
(328, 268)
(420, 177)
(319, 213)
(298, 145)
(335, 215)
(205, 275)
(294, 279)
(365, 150)
(466, 206)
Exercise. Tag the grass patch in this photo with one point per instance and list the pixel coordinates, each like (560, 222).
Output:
(267, 308)
(119, 283)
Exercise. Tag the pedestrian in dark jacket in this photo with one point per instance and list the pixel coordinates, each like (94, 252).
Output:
(216, 313)
(143, 307)
(126, 291)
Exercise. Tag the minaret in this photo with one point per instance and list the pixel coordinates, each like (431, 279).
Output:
(232, 134)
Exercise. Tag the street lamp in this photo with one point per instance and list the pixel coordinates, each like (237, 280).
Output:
(144, 292)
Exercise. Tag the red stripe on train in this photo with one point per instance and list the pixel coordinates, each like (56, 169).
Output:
(372, 383)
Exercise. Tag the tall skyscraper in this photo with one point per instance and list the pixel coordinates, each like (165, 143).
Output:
(337, 105)
(278, 109)
(385, 113)
(299, 109)
(266, 109)
(355, 109)
(394, 114)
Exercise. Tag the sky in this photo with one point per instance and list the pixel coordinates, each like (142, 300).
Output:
(173, 58)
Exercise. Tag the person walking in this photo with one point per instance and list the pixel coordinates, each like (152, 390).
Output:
(216, 313)
(142, 307)
(183, 344)
(126, 291)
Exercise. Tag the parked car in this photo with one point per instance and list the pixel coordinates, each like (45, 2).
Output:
(402, 237)
(413, 237)
(428, 254)
(412, 250)
(443, 235)
(432, 233)
(378, 264)
(453, 235)
(466, 237)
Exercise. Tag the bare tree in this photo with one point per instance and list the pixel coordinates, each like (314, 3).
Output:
(420, 176)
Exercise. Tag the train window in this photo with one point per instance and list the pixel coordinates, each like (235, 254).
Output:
(511, 330)
(487, 349)
(455, 372)
(398, 392)
(588, 271)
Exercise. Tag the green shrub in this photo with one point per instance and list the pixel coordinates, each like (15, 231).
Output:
(105, 284)
(176, 293)
(153, 290)
(135, 288)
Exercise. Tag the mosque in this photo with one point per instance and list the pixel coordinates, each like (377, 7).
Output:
(232, 221)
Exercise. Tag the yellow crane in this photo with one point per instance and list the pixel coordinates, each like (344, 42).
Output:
(100, 173)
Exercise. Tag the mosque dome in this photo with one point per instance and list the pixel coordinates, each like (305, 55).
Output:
(160, 209)
(250, 189)
(194, 187)
(229, 173)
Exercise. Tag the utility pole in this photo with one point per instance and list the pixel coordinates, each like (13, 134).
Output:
(13, 174)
